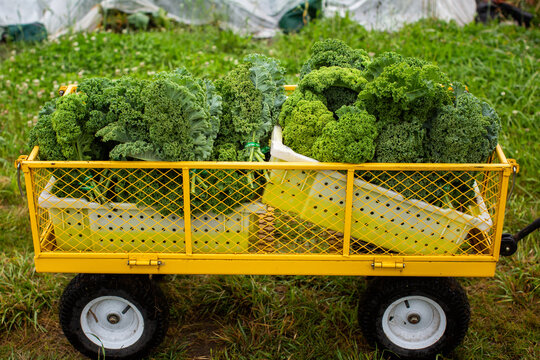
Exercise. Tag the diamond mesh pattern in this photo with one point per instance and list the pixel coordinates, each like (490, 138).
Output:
(275, 211)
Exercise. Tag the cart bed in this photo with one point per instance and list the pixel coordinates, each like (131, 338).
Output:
(290, 217)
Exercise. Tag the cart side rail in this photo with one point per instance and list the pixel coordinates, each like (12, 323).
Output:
(267, 218)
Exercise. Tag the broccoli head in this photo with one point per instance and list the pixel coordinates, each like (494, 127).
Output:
(351, 139)
(334, 52)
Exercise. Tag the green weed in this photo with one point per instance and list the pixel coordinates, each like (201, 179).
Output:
(23, 293)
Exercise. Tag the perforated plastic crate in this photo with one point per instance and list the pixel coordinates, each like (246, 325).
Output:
(379, 216)
(80, 225)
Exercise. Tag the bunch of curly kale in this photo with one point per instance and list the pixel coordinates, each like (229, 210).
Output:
(392, 109)
(173, 117)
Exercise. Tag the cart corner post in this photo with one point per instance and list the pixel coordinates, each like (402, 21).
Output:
(348, 213)
(512, 168)
(187, 210)
(22, 164)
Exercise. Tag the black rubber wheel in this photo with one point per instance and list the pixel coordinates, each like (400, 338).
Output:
(413, 317)
(508, 245)
(113, 316)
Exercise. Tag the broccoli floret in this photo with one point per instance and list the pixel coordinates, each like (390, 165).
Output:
(466, 132)
(306, 124)
(351, 139)
(334, 52)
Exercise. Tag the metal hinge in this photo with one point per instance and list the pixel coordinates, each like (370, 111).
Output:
(69, 89)
(397, 264)
(515, 166)
(144, 260)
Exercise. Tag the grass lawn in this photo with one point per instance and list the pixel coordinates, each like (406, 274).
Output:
(274, 317)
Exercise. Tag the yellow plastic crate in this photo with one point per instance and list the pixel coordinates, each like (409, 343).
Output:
(81, 225)
(379, 216)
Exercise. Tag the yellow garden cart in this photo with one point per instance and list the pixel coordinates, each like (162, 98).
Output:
(413, 227)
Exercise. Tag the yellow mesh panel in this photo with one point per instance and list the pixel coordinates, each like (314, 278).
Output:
(272, 211)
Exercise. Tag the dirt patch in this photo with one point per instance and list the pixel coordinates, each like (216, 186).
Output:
(200, 338)
(30, 343)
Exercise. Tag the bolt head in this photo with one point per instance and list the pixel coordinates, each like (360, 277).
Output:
(413, 319)
(113, 319)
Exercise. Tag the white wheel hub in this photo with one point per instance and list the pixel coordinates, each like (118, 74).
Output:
(414, 322)
(112, 322)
